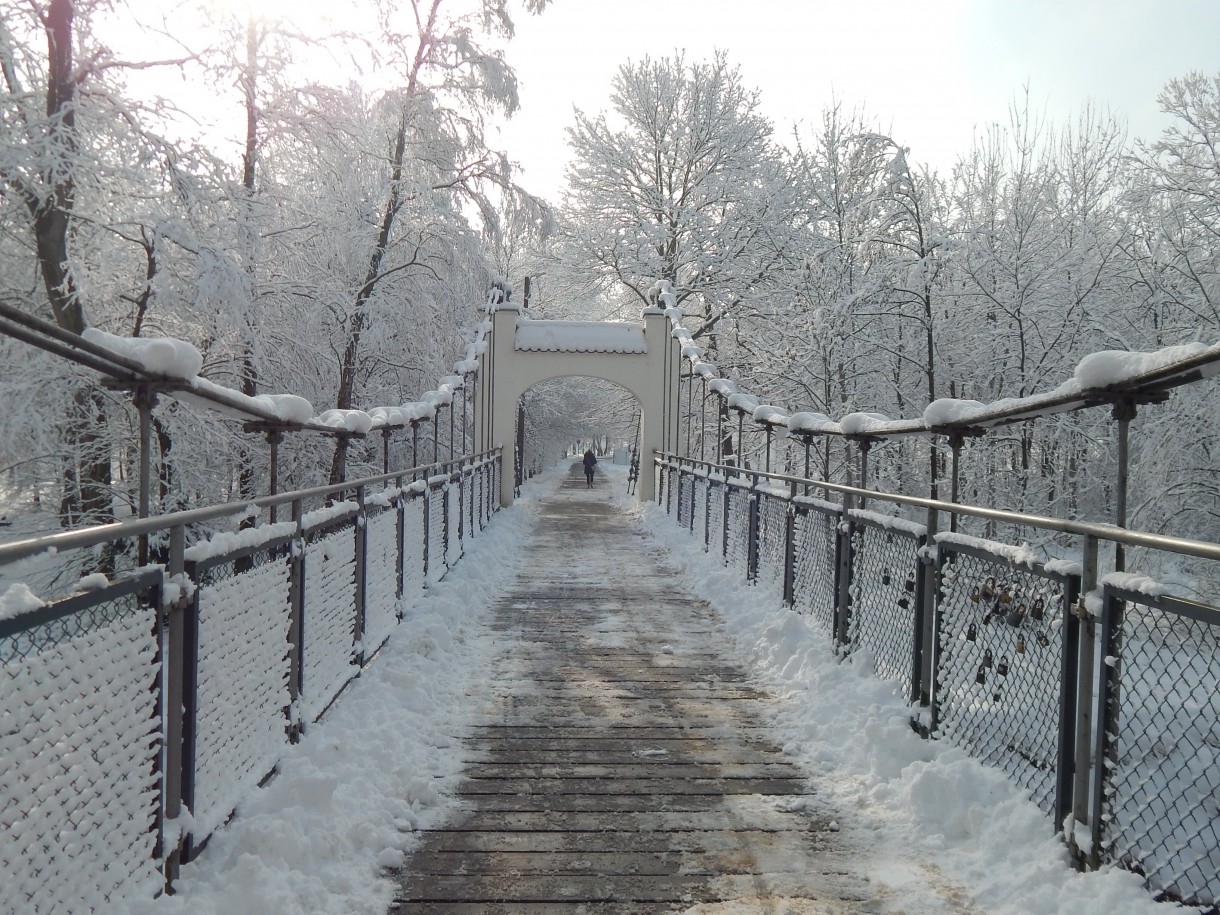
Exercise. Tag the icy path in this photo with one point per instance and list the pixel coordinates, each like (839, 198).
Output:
(928, 830)
(618, 763)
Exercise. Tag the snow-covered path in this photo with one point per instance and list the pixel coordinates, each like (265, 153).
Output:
(923, 828)
(619, 763)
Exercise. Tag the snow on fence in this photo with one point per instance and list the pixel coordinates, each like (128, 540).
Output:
(1116, 739)
(103, 791)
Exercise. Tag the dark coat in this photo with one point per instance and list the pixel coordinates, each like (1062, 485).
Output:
(590, 459)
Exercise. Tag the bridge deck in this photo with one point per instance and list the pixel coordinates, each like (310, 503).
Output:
(620, 764)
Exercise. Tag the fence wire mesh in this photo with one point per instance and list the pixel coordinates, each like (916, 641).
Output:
(1162, 794)
(328, 617)
(816, 534)
(436, 533)
(737, 550)
(413, 550)
(715, 518)
(380, 578)
(684, 489)
(453, 512)
(882, 621)
(79, 791)
(1000, 678)
(242, 677)
(772, 536)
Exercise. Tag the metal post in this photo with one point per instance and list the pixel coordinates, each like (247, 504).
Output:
(767, 463)
(414, 449)
(274, 437)
(436, 439)
(144, 400)
(174, 645)
(385, 450)
(296, 625)
(703, 418)
(864, 444)
(452, 453)
(955, 445)
(790, 548)
(1081, 815)
(1124, 412)
(360, 523)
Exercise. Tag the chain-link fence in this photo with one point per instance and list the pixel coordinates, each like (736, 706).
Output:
(80, 782)
(120, 711)
(1159, 706)
(1117, 736)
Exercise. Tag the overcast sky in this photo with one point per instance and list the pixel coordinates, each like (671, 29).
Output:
(930, 74)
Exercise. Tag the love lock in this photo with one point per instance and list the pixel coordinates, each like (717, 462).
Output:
(981, 677)
(1001, 668)
(1016, 616)
(1020, 644)
(972, 633)
(1041, 638)
(909, 584)
(987, 662)
(987, 592)
(885, 577)
(1039, 609)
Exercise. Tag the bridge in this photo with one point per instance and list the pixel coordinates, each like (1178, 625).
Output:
(610, 750)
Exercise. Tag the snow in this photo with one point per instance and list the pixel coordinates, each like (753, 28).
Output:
(231, 541)
(1017, 555)
(1140, 584)
(1098, 370)
(746, 403)
(356, 421)
(812, 422)
(578, 337)
(928, 821)
(863, 423)
(769, 415)
(948, 411)
(287, 407)
(722, 386)
(158, 355)
(18, 599)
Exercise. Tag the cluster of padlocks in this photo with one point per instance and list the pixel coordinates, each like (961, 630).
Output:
(1004, 607)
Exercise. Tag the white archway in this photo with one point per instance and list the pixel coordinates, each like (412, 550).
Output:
(521, 352)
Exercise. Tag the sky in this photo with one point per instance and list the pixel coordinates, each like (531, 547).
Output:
(931, 75)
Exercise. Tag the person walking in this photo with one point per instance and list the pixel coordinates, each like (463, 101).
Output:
(590, 461)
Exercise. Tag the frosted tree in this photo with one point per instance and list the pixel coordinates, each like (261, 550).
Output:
(681, 183)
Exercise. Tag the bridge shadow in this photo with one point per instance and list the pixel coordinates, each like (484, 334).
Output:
(619, 763)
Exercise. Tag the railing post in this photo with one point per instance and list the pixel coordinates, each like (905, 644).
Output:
(926, 648)
(790, 548)
(707, 514)
(1082, 815)
(428, 522)
(1105, 748)
(844, 566)
(362, 545)
(691, 513)
(400, 533)
(1069, 681)
(296, 625)
(172, 710)
(190, 706)
(752, 544)
(724, 521)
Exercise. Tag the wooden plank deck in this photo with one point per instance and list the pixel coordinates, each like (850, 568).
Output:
(620, 765)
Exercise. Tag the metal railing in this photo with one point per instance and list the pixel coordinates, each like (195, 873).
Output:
(1097, 694)
(251, 633)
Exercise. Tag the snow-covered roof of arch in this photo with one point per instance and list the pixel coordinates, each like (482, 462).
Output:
(578, 337)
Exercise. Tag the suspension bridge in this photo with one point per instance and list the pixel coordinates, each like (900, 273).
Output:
(615, 763)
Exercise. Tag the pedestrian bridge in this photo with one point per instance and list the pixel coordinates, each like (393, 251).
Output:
(617, 759)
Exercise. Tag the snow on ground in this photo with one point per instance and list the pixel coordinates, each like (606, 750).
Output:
(347, 797)
(932, 824)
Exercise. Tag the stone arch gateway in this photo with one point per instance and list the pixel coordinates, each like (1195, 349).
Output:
(521, 352)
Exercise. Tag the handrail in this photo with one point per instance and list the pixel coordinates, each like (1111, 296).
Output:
(92, 536)
(1109, 532)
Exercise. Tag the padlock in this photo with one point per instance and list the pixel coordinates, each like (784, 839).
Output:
(974, 595)
(987, 618)
(909, 584)
(1001, 668)
(903, 602)
(1042, 639)
(987, 592)
(972, 633)
(1016, 616)
(1005, 595)
(885, 577)
(981, 677)
(1039, 609)
(987, 662)
(995, 697)
(1020, 644)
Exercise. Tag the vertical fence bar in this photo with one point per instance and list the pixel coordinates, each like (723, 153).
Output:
(190, 711)
(1068, 696)
(296, 625)
(360, 523)
(790, 548)
(1082, 816)
(752, 536)
(843, 573)
(1105, 745)
(173, 679)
